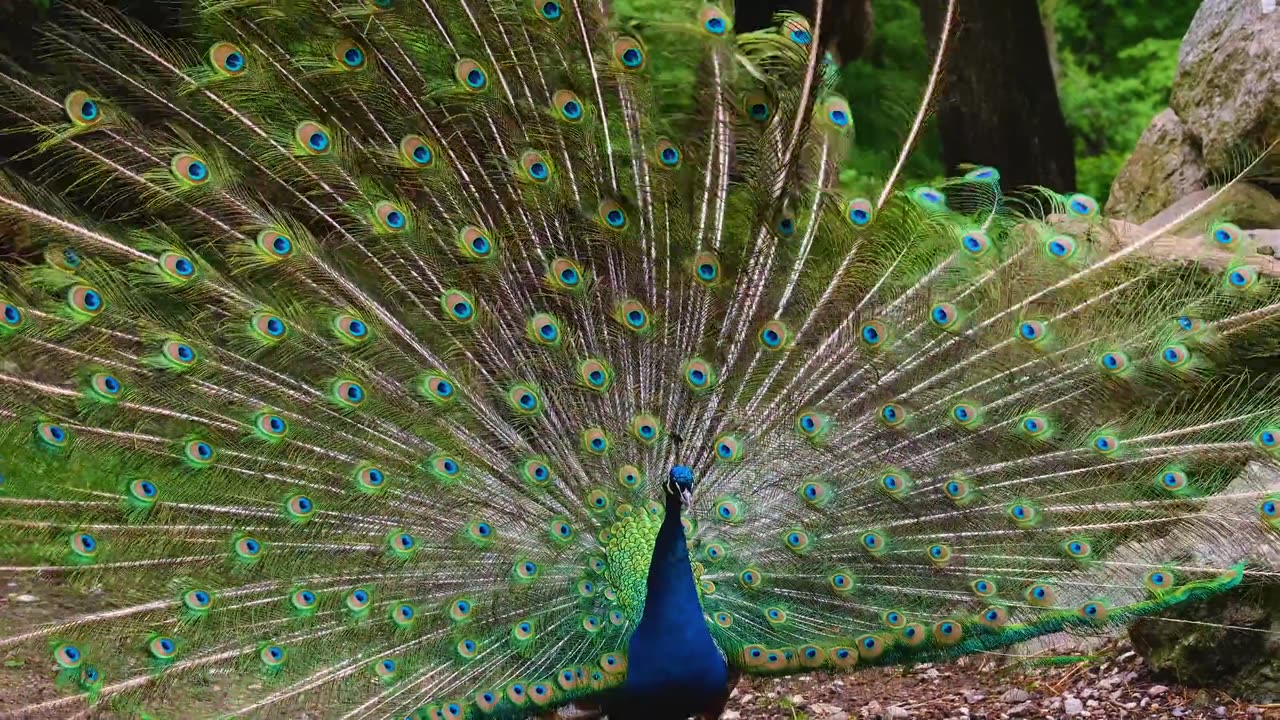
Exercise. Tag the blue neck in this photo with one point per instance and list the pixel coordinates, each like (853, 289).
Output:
(672, 596)
(671, 652)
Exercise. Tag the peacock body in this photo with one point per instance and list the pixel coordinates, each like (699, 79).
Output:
(440, 359)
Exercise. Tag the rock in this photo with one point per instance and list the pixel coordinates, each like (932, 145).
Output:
(1227, 90)
(796, 699)
(1157, 690)
(1015, 695)
(746, 698)
(896, 712)
(1165, 165)
(1246, 204)
(1242, 662)
(872, 709)
(1023, 710)
(1072, 707)
(825, 710)
(730, 715)
(25, 598)
(1220, 711)
(973, 697)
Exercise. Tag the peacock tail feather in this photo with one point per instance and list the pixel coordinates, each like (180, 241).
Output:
(362, 336)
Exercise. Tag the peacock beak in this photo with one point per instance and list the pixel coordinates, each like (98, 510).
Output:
(686, 496)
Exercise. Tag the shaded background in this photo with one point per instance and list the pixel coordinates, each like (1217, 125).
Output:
(1052, 92)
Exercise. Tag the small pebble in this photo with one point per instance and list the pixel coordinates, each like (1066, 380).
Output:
(1015, 695)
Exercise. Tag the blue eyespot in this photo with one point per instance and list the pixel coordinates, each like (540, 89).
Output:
(551, 10)
(318, 141)
(670, 156)
(801, 37)
(615, 218)
(759, 111)
(197, 171)
(840, 118)
(632, 57)
(233, 62)
(715, 26)
(353, 57)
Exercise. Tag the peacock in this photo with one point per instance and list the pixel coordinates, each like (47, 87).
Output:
(443, 359)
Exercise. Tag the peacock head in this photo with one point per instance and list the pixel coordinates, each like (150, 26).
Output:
(680, 483)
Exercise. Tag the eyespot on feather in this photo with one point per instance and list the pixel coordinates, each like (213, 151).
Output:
(85, 301)
(524, 399)
(268, 328)
(834, 114)
(548, 10)
(348, 55)
(595, 375)
(471, 75)
(82, 109)
(177, 268)
(105, 387)
(594, 440)
(758, 107)
(667, 154)
(1082, 205)
(612, 214)
(274, 245)
(774, 335)
(416, 152)
(629, 54)
(565, 274)
(178, 355)
(12, 318)
(189, 169)
(568, 106)
(713, 21)
(633, 315)
(389, 218)
(228, 59)
(797, 29)
(458, 306)
(312, 138)
(630, 477)
(535, 167)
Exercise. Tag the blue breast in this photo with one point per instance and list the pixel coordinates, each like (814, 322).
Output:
(673, 665)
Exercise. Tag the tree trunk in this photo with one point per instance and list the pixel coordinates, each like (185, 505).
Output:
(846, 24)
(998, 102)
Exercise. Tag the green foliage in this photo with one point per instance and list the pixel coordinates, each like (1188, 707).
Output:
(884, 89)
(1116, 62)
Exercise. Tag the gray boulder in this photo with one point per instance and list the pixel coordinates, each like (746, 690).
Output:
(1224, 105)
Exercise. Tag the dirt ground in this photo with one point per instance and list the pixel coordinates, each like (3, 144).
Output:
(1112, 683)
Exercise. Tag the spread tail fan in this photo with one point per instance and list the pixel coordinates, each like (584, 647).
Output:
(457, 359)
